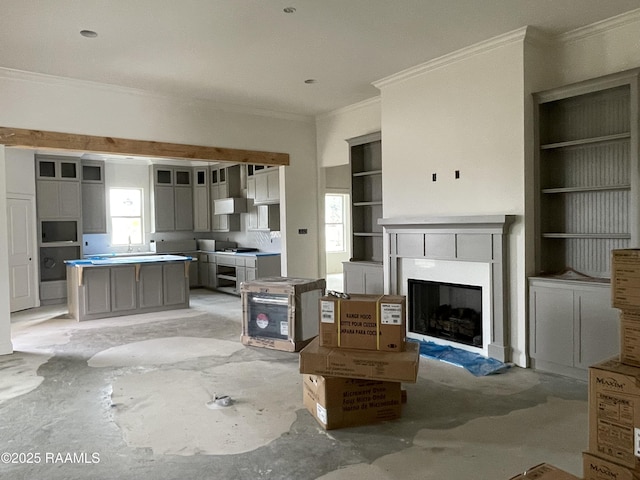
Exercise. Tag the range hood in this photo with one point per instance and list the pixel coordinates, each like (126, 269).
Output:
(227, 206)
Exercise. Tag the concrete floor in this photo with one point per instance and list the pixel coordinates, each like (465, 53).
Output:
(130, 397)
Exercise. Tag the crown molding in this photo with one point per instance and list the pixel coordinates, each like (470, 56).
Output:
(454, 57)
(52, 80)
(598, 28)
(349, 108)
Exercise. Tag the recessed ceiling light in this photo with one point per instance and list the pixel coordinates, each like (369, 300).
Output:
(88, 33)
(289, 10)
(309, 81)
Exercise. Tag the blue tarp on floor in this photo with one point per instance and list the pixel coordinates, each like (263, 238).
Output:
(475, 363)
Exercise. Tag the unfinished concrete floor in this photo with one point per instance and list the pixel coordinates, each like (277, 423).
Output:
(130, 398)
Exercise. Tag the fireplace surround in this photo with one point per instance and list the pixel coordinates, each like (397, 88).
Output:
(454, 250)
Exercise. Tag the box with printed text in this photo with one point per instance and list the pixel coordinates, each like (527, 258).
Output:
(367, 322)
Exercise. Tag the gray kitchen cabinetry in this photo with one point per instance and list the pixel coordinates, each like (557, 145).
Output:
(267, 186)
(124, 295)
(94, 211)
(225, 183)
(100, 291)
(201, 215)
(227, 271)
(572, 325)
(172, 198)
(59, 216)
(264, 217)
(150, 286)
(586, 180)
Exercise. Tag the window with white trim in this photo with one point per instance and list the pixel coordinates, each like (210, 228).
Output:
(126, 216)
(334, 218)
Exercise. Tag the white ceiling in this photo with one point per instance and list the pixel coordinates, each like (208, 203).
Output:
(252, 54)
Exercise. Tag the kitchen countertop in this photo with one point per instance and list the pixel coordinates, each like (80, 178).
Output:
(124, 260)
(241, 254)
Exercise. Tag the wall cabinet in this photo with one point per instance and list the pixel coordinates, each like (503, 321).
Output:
(57, 199)
(267, 186)
(572, 326)
(264, 217)
(225, 183)
(201, 214)
(94, 210)
(172, 198)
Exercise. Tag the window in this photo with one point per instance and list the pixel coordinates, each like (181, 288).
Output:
(126, 216)
(334, 217)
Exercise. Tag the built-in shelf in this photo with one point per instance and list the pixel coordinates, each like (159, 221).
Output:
(366, 204)
(621, 236)
(367, 173)
(587, 141)
(367, 234)
(597, 188)
(227, 277)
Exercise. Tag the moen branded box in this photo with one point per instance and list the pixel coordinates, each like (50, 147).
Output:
(614, 412)
(368, 322)
(596, 468)
(630, 337)
(348, 402)
(364, 364)
(280, 312)
(625, 278)
(545, 471)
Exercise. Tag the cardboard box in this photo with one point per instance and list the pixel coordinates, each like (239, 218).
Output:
(348, 402)
(596, 468)
(368, 322)
(280, 313)
(630, 337)
(614, 412)
(625, 278)
(364, 364)
(544, 471)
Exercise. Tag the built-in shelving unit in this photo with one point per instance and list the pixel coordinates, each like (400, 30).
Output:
(363, 273)
(587, 204)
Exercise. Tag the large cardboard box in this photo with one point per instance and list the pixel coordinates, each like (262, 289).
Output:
(347, 402)
(596, 468)
(614, 412)
(544, 471)
(630, 337)
(368, 322)
(625, 278)
(364, 364)
(280, 312)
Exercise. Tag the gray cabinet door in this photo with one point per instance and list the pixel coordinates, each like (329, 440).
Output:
(552, 325)
(97, 286)
(123, 288)
(201, 217)
(69, 199)
(365, 278)
(212, 280)
(183, 208)
(267, 187)
(174, 284)
(150, 286)
(598, 335)
(94, 214)
(58, 199)
(164, 208)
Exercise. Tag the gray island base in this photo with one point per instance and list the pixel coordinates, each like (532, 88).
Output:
(109, 287)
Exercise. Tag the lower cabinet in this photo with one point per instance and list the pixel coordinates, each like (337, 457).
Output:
(225, 272)
(571, 325)
(109, 291)
(363, 277)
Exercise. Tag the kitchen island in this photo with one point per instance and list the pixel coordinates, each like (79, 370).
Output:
(100, 287)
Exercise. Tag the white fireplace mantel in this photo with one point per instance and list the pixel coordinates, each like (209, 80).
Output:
(471, 238)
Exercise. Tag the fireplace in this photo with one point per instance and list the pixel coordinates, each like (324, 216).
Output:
(446, 310)
(454, 273)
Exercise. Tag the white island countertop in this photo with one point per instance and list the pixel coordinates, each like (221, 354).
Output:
(99, 260)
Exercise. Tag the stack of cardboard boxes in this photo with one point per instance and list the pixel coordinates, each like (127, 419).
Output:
(353, 371)
(614, 384)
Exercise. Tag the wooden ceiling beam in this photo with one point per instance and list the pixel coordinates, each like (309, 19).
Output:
(17, 137)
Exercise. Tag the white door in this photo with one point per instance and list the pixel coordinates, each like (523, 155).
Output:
(21, 260)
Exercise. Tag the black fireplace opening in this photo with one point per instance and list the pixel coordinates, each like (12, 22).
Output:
(447, 311)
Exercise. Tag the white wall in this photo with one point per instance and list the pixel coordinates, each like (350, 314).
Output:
(466, 114)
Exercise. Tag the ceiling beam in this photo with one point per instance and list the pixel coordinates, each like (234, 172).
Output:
(17, 137)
